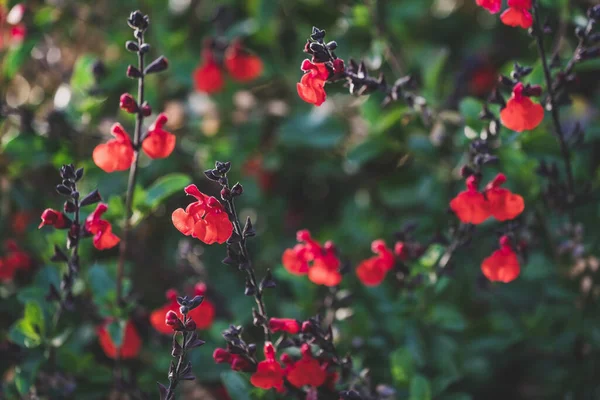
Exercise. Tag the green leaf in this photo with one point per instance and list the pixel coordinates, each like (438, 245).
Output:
(420, 388)
(448, 317)
(164, 187)
(402, 366)
(312, 131)
(34, 316)
(25, 374)
(237, 387)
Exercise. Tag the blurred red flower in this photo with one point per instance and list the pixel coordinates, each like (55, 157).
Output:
(104, 238)
(504, 205)
(493, 6)
(158, 143)
(521, 114)
(372, 271)
(13, 260)
(309, 257)
(241, 65)
(204, 219)
(518, 14)
(502, 265)
(470, 206)
(307, 371)
(131, 343)
(269, 373)
(284, 325)
(203, 315)
(54, 218)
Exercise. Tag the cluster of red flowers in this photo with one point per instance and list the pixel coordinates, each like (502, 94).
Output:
(203, 315)
(15, 31)
(474, 207)
(131, 343)
(118, 154)
(269, 373)
(103, 237)
(522, 114)
(14, 259)
(241, 66)
(204, 219)
(518, 12)
(308, 257)
(372, 271)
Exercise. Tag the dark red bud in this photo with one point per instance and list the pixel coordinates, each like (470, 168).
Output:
(128, 103)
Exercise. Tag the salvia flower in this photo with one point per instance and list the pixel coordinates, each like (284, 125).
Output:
(131, 343)
(203, 315)
(236, 361)
(504, 205)
(269, 373)
(204, 219)
(104, 238)
(307, 371)
(284, 325)
(518, 14)
(474, 207)
(372, 271)
(128, 103)
(158, 142)
(54, 218)
(503, 264)
(311, 87)
(117, 154)
(14, 259)
(521, 114)
(493, 6)
(320, 263)
(237, 61)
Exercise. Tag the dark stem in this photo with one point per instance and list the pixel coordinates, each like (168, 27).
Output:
(249, 268)
(174, 374)
(139, 121)
(564, 148)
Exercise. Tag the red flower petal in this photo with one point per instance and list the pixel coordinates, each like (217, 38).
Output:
(502, 265)
(157, 318)
(517, 17)
(183, 221)
(208, 77)
(307, 371)
(325, 271)
(269, 373)
(214, 228)
(203, 315)
(470, 207)
(105, 239)
(158, 143)
(522, 4)
(294, 262)
(284, 325)
(504, 204)
(116, 154)
(131, 341)
(242, 66)
(493, 6)
(311, 90)
(521, 114)
(371, 272)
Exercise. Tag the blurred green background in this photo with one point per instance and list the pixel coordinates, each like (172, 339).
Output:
(350, 171)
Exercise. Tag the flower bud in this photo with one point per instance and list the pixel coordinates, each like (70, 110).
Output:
(128, 103)
(146, 109)
(172, 319)
(132, 46)
(237, 189)
(190, 325)
(158, 65)
(133, 72)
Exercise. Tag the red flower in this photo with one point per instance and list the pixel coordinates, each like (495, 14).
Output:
(312, 84)
(158, 142)
(493, 6)
(284, 325)
(502, 265)
(54, 218)
(131, 342)
(241, 65)
(504, 205)
(307, 371)
(221, 356)
(372, 271)
(237, 362)
(309, 257)
(116, 154)
(14, 260)
(521, 114)
(203, 315)
(205, 219)
(101, 229)
(269, 373)
(208, 77)
(518, 14)
(470, 206)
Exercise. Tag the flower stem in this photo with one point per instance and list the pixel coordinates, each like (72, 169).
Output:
(564, 148)
(139, 121)
(174, 373)
(258, 294)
